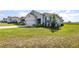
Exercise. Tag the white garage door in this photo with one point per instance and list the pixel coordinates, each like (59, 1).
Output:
(30, 22)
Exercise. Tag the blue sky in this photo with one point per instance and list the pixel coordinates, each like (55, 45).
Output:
(67, 15)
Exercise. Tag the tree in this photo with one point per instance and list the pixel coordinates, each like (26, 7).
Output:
(69, 22)
(62, 24)
(54, 23)
(22, 21)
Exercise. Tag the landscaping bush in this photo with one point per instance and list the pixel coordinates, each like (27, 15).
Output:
(39, 25)
(62, 24)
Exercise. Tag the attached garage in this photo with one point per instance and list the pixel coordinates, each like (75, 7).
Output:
(30, 20)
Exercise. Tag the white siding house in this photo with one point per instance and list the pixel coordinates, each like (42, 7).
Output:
(34, 18)
(13, 19)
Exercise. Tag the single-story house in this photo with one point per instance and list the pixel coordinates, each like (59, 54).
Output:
(35, 18)
(13, 19)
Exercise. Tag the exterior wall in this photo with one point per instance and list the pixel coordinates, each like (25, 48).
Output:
(38, 16)
(47, 21)
(30, 20)
(8, 19)
(18, 20)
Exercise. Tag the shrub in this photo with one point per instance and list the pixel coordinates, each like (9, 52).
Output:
(39, 25)
(62, 24)
(54, 24)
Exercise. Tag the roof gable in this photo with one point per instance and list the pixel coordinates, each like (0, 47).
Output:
(30, 15)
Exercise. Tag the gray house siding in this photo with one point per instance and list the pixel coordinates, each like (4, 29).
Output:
(44, 19)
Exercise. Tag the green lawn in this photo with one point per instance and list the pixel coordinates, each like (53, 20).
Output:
(5, 24)
(68, 36)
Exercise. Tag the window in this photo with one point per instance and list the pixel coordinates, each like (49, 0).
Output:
(39, 21)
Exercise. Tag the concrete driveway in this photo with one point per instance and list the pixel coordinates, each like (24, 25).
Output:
(5, 27)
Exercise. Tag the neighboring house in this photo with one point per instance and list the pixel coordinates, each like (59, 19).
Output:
(13, 19)
(4, 20)
(35, 18)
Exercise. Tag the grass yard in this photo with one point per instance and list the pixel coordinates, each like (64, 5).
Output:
(67, 37)
(5, 24)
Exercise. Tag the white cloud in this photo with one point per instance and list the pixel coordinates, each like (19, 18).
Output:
(69, 16)
(67, 11)
(65, 15)
(38, 4)
(53, 11)
(23, 13)
(1, 16)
